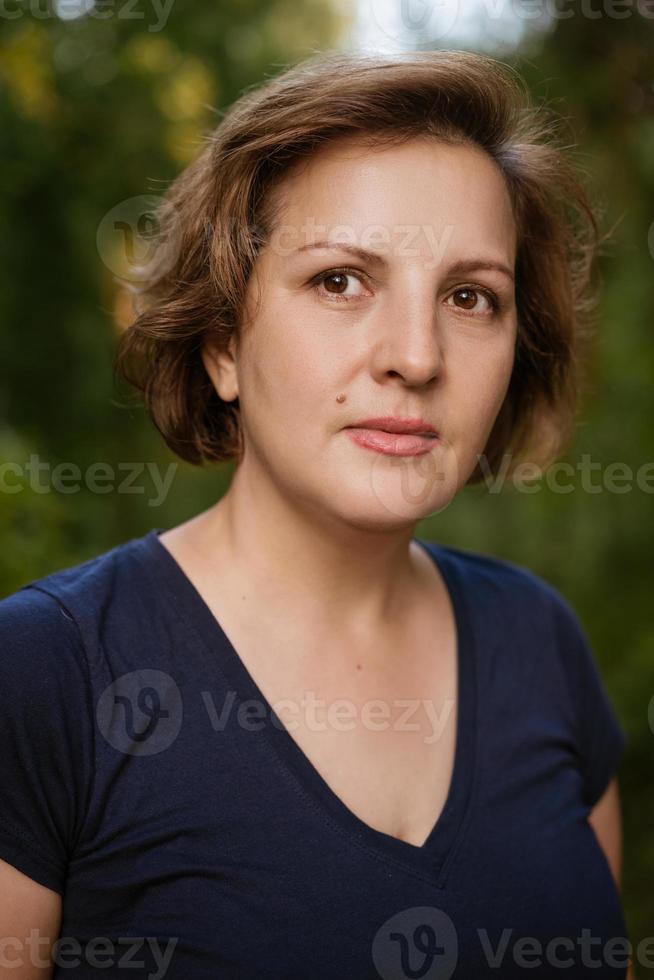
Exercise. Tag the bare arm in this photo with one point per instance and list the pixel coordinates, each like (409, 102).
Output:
(606, 820)
(26, 905)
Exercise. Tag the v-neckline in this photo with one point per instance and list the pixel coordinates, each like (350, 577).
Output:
(430, 859)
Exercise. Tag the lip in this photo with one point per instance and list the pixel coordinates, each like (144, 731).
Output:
(393, 436)
(396, 424)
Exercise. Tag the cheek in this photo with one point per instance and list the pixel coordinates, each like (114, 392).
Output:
(288, 368)
(289, 404)
(484, 382)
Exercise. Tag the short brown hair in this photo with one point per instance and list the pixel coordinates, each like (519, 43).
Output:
(221, 209)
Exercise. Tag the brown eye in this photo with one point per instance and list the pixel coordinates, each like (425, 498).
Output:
(336, 283)
(468, 297)
(341, 282)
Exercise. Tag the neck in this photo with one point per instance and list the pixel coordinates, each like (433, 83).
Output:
(328, 571)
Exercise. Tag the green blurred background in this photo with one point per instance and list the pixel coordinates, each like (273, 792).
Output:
(101, 106)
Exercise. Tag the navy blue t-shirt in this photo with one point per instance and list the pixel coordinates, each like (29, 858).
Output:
(145, 778)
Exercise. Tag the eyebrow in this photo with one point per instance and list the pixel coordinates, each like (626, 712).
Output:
(375, 258)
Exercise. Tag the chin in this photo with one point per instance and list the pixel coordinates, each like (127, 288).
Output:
(402, 490)
(385, 506)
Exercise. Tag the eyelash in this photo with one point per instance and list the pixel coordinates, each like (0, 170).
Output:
(357, 274)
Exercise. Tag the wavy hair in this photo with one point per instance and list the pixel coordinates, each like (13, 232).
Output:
(220, 211)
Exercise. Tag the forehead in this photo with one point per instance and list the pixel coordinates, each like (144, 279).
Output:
(348, 188)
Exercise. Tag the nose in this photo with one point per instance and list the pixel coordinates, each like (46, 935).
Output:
(408, 341)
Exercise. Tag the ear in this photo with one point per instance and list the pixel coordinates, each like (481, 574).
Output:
(220, 365)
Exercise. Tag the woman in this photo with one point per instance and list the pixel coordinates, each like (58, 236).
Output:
(285, 738)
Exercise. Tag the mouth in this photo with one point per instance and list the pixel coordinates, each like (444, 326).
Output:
(400, 426)
(395, 437)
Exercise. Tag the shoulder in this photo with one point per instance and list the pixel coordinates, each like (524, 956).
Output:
(44, 669)
(93, 573)
(53, 630)
(33, 624)
(56, 630)
(57, 605)
(530, 623)
(492, 582)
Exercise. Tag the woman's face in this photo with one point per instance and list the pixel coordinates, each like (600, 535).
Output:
(422, 327)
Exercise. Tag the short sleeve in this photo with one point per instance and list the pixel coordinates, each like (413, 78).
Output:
(600, 735)
(46, 735)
